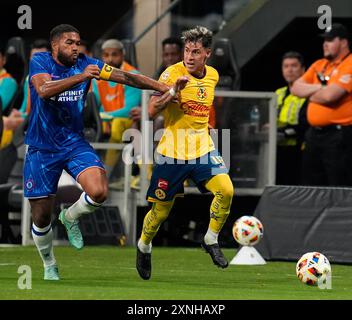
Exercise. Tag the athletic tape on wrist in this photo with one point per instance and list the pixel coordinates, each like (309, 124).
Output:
(172, 92)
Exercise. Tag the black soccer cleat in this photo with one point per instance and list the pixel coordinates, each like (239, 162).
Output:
(216, 254)
(144, 264)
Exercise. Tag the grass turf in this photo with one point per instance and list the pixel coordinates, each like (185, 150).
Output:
(178, 273)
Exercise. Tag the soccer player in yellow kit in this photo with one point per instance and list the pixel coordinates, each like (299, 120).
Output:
(186, 149)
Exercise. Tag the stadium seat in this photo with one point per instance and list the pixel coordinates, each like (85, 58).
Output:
(130, 52)
(92, 121)
(8, 183)
(11, 184)
(223, 60)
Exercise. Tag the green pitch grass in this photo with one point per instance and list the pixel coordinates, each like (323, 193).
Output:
(178, 273)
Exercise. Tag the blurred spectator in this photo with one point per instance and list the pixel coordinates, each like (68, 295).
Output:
(291, 122)
(171, 54)
(38, 45)
(10, 124)
(83, 48)
(116, 100)
(8, 85)
(327, 156)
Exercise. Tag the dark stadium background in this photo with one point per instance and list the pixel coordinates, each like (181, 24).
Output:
(261, 73)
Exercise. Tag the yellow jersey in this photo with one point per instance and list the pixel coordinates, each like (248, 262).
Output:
(186, 134)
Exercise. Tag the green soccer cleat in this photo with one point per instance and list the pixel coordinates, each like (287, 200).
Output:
(51, 273)
(74, 234)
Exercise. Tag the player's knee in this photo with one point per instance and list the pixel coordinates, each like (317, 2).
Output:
(99, 193)
(227, 192)
(41, 210)
(41, 220)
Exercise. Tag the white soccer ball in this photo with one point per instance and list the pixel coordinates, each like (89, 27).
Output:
(247, 230)
(313, 268)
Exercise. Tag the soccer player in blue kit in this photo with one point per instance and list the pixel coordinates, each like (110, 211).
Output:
(59, 82)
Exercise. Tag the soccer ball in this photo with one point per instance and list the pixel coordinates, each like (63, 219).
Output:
(313, 268)
(247, 230)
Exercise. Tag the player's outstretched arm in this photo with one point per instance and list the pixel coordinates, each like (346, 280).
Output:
(47, 88)
(159, 103)
(131, 79)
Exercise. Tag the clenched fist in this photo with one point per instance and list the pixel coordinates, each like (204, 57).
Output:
(92, 71)
(181, 82)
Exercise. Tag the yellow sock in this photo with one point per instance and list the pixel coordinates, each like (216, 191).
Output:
(153, 220)
(222, 189)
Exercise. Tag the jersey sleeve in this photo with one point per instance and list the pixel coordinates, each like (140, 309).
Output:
(38, 65)
(344, 78)
(98, 62)
(170, 75)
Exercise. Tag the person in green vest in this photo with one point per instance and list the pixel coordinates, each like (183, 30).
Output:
(291, 122)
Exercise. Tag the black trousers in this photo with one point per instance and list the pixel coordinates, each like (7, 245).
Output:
(288, 165)
(327, 158)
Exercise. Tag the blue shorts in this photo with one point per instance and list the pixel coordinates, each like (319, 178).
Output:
(169, 175)
(43, 169)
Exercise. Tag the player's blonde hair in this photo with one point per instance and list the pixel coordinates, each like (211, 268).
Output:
(198, 34)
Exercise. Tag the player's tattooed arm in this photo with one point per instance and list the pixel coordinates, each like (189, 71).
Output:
(47, 88)
(131, 79)
(159, 103)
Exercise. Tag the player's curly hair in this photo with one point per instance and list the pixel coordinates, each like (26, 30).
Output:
(199, 33)
(60, 29)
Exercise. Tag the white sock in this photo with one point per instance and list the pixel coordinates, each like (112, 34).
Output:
(145, 248)
(83, 205)
(211, 237)
(43, 239)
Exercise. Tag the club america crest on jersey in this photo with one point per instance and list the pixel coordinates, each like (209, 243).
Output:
(202, 93)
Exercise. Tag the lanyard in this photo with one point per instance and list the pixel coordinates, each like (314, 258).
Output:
(325, 78)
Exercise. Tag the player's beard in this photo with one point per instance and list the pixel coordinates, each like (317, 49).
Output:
(64, 59)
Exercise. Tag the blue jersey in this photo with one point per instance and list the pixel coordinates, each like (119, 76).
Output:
(56, 123)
